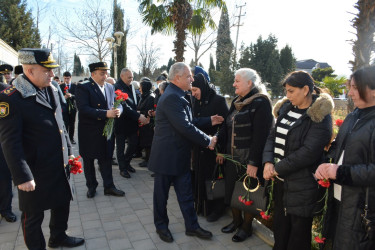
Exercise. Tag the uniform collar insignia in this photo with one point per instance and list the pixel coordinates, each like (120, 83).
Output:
(26, 88)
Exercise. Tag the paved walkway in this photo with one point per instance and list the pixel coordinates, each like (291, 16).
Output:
(108, 222)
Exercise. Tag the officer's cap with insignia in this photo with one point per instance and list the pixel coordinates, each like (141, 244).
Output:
(5, 68)
(98, 66)
(43, 57)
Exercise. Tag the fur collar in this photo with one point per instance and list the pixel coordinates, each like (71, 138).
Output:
(26, 88)
(321, 106)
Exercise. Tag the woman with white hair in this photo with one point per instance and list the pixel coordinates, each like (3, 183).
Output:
(243, 137)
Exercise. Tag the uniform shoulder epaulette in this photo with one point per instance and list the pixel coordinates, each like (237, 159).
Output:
(9, 91)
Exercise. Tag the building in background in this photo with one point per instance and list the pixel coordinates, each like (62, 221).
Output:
(310, 64)
(7, 54)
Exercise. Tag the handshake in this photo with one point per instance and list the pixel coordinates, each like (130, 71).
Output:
(213, 141)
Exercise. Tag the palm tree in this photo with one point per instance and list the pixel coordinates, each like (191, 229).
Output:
(364, 23)
(177, 16)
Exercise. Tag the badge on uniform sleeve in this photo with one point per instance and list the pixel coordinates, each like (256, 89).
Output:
(4, 109)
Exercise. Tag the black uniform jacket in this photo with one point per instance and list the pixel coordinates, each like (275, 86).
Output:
(127, 124)
(72, 91)
(4, 170)
(92, 116)
(35, 144)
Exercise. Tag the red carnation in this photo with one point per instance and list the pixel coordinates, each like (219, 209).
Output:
(339, 122)
(265, 216)
(319, 240)
(155, 105)
(324, 183)
(248, 203)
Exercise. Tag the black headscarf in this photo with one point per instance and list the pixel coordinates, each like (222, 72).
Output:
(206, 90)
(146, 86)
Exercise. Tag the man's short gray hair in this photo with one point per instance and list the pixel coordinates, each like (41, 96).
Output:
(124, 70)
(177, 69)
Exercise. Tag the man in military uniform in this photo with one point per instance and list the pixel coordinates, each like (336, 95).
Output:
(95, 99)
(36, 148)
(5, 183)
(18, 70)
(69, 90)
(6, 71)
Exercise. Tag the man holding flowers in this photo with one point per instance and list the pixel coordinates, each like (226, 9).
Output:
(36, 148)
(95, 102)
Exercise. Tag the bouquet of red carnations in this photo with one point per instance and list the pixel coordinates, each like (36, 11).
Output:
(108, 128)
(75, 166)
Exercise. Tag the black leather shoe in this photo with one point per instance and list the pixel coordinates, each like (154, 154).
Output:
(125, 174)
(241, 235)
(165, 235)
(114, 162)
(143, 164)
(230, 228)
(113, 191)
(9, 216)
(73, 141)
(153, 175)
(67, 242)
(91, 193)
(131, 169)
(200, 233)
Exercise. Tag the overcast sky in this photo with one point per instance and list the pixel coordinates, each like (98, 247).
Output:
(319, 29)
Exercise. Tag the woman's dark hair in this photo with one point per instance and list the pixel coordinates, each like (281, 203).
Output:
(299, 79)
(364, 77)
(146, 85)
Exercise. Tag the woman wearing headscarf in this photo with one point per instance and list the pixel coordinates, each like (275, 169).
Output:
(353, 170)
(243, 137)
(146, 132)
(206, 103)
(293, 151)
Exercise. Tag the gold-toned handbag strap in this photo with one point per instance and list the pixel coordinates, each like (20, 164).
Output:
(248, 189)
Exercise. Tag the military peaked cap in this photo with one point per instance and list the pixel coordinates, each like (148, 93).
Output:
(43, 57)
(98, 66)
(5, 68)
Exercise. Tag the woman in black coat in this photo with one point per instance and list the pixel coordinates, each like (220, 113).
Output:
(206, 103)
(293, 151)
(243, 136)
(146, 132)
(353, 153)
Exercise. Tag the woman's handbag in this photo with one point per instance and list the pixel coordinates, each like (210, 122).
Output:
(249, 200)
(215, 188)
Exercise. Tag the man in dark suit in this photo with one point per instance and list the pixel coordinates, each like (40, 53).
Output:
(69, 90)
(36, 148)
(95, 99)
(171, 153)
(126, 126)
(6, 194)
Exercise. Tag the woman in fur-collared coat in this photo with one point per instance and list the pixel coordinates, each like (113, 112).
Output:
(293, 151)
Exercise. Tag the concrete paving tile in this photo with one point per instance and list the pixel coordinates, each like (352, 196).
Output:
(129, 218)
(261, 247)
(89, 216)
(177, 228)
(106, 210)
(112, 225)
(144, 245)
(97, 243)
(189, 245)
(7, 237)
(116, 234)
(146, 219)
(166, 246)
(137, 235)
(143, 212)
(93, 233)
(128, 227)
(91, 224)
(7, 245)
(120, 244)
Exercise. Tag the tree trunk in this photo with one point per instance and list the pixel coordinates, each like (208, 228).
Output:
(182, 13)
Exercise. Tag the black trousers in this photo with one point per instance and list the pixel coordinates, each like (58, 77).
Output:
(105, 168)
(72, 121)
(124, 157)
(183, 189)
(6, 195)
(32, 227)
(290, 231)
